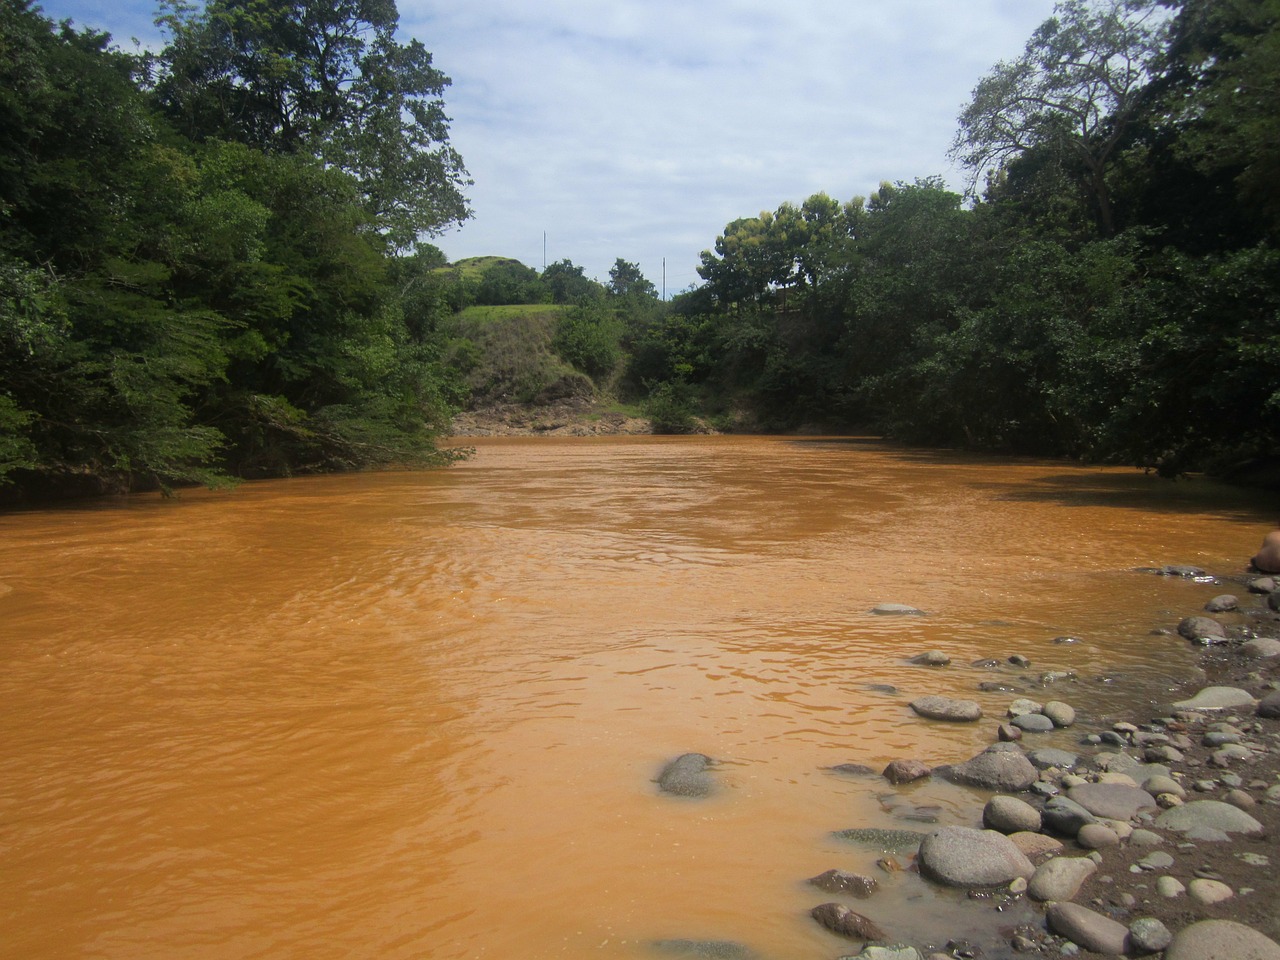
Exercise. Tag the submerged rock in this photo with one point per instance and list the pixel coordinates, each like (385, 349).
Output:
(838, 918)
(842, 881)
(886, 841)
(946, 708)
(704, 949)
(686, 776)
(896, 610)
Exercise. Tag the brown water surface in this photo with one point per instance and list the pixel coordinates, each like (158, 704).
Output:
(418, 715)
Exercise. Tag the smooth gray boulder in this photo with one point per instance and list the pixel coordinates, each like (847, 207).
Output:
(1201, 628)
(1112, 801)
(1046, 757)
(1221, 940)
(1260, 648)
(964, 857)
(1060, 878)
(1010, 815)
(686, 776)
(1004, 771)
(1223, 603)
(948, 709)
(1149, 935)
(1062, 714)
(1217, 698)
(1199, 816)
(1087, 928)
(1269, 706)
(1032, 723)
(1064, 816)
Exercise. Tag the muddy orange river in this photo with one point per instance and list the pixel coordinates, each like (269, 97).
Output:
(420, 714)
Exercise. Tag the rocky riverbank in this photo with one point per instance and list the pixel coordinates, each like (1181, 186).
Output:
(571, 417)
(1154, 836)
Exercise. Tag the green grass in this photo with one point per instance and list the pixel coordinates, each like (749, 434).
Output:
(473, 268)
(512, 311)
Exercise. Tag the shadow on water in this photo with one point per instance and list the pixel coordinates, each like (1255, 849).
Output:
(1071, 485)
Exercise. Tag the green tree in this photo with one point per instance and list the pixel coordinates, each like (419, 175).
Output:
(568, 283)
(327, 79)
(626, 281)
(1075, 91)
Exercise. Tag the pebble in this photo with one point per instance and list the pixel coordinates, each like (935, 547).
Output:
(1060, 878)
(1149, 935)
(1158, 785)
(1209, 891)
(1145, 838)
(1096, 836)
(1008, 733)
(1170, 888)
(1156, 860)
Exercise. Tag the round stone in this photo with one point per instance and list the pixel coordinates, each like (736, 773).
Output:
(1062, 714)
(1221, 940)
(1149, 935)
(1206, 891)
(1010, 815)
(1096, 836)
(1170, 888)
(1033, 723)
(964, 857)
(1060, 878)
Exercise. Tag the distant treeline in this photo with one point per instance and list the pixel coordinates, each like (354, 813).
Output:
(211, 262)
(1112, 291)
(208, 261)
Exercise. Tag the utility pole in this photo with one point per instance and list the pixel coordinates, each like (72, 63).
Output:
(664, 279)
(544, 251)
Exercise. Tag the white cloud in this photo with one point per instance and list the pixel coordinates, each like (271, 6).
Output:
(639, 128)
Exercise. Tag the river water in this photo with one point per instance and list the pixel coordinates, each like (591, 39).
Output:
(419, 715)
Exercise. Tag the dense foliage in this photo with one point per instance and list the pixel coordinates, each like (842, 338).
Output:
(201, 253)
(212, 261)
(1113, 293)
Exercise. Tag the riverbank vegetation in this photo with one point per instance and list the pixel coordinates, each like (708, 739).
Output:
(212, 261)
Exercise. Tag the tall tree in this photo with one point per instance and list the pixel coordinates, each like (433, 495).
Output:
(1076, 89)
(322, 77)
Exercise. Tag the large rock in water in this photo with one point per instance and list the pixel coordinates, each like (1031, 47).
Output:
(945, 708)
(686, 776)
(1004, 771)
(964, 857)
(1221, 940)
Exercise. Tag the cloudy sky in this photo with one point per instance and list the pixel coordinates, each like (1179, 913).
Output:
(639, 128)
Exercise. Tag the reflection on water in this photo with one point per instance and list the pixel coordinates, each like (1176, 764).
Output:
(419, 714)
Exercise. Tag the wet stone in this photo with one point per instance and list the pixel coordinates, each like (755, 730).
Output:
(947, 709)
(842, 881)
(841, 920)
(1033, 723)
